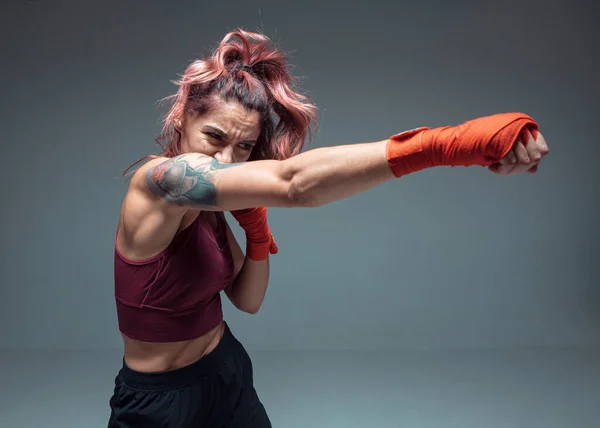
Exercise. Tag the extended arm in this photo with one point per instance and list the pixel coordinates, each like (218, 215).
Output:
(324, 175)
(313, 178)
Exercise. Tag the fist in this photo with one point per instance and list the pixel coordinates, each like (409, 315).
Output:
(525, 156)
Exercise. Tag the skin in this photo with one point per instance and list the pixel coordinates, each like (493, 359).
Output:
(166, 195)
(227, 135)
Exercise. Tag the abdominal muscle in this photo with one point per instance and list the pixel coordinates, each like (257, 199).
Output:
(159, 357)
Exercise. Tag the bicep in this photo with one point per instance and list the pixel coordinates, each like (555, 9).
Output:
(198, 181)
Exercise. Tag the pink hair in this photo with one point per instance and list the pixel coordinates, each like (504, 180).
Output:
(247, 69)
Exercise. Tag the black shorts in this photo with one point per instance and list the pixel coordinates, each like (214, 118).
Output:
(215, 392)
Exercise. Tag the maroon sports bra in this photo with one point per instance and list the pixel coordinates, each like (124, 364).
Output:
(175, 295)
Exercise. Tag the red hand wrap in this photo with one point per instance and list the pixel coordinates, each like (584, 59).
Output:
(481, 141)
(259, 240)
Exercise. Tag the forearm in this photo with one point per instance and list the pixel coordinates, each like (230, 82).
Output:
(324, 175)
(248, 290)
(313, 178)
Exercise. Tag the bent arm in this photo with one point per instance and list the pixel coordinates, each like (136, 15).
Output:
(248, 289)
(313, 178)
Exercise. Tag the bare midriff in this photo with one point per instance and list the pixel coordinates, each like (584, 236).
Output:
(151, 357)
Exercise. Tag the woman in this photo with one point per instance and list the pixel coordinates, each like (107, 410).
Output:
(233, 140)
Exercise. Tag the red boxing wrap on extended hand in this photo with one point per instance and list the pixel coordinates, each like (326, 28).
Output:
(259, 240)
(483, 141)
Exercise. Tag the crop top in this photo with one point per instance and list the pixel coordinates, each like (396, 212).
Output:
(175, 295)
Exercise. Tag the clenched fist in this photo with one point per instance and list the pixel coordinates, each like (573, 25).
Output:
(525, 156)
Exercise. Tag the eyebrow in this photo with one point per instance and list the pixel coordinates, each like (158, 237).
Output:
(223, 134)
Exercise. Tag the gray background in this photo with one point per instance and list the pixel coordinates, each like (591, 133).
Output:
(442, 259)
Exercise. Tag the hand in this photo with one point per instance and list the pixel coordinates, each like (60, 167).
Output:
(259, 240)
(525, 156)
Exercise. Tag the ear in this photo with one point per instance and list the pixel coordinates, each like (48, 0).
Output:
(178, 123)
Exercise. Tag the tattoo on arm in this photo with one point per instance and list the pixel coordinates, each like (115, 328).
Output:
(182, 183)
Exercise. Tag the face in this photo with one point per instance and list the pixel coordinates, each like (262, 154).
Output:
(227, 132)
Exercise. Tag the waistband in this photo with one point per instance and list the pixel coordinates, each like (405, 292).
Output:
(183, 376)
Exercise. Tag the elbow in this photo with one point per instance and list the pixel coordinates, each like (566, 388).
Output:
(250, 309)
(249, 305)
(299, 190)
(301, 194)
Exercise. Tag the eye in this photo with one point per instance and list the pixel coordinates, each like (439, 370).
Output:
(213, 135)
(246, 146)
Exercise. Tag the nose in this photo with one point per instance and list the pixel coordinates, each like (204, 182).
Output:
(225, 156)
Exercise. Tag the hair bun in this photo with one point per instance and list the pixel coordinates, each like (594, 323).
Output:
(247, 68)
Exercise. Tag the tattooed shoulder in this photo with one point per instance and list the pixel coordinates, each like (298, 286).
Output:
(185, 180)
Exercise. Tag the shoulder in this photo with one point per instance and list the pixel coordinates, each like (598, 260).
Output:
(147, 222)
(139, 178)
